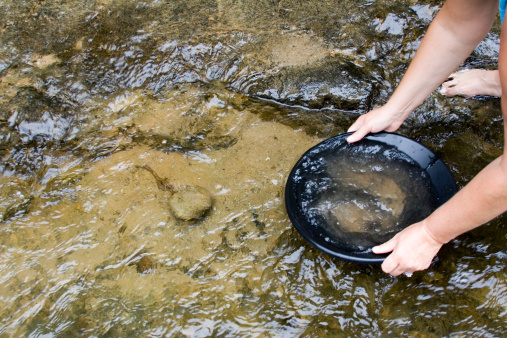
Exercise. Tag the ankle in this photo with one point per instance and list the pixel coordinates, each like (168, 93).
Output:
(491, 80)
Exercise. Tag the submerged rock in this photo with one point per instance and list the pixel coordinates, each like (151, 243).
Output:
(44, 61)
(34, 114)
(192, 119)
(145, 265)
(330, 85)
(14, 197)
(190, 203)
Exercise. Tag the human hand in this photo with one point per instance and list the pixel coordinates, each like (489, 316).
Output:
(380, 119)
(412, 249)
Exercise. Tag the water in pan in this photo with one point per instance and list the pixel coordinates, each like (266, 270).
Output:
(370, 192)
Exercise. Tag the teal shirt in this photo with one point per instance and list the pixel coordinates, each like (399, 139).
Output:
(503, 3)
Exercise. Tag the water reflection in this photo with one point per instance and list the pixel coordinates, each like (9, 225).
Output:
(223, 95)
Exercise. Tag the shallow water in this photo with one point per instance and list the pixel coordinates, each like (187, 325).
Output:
(223, 95)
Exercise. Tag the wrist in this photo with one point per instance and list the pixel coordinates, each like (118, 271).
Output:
(399, 108)
(431, 233)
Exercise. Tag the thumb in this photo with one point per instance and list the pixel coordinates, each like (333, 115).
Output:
(386, 247)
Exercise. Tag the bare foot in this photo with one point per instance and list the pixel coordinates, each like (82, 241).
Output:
(472, 82)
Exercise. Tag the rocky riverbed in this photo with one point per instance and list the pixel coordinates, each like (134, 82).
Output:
(115, 113)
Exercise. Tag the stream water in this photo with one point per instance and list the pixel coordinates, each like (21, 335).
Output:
(108, 108)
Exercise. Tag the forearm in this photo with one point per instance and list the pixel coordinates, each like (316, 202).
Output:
(482, 199)
(451, 37)
(457, 29)
(485, 196)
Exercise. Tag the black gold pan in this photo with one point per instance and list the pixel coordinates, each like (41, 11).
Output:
(346, 198)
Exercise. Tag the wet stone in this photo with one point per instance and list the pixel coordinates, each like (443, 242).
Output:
(33, 114)
(14, 197)
(44, 61)
(190, 203)
(193, 119)
(326, 86)
(145, 265)
(469, 146)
